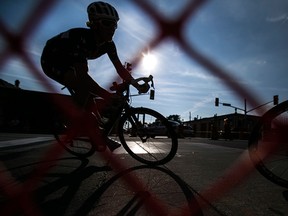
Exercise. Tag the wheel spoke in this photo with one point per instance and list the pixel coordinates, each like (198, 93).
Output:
(136, 137)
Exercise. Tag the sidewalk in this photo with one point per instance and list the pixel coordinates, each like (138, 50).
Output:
(12, 140)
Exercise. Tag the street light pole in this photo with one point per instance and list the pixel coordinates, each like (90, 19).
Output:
(245, 106)
(229, 105)
(275, 102)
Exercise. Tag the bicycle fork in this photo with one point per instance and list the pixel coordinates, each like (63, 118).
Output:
(134, 120)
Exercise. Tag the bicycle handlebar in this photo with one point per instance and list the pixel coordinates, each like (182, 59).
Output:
(145, 80)
(120, 88)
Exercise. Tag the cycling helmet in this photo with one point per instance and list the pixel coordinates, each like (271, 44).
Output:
(100, 10)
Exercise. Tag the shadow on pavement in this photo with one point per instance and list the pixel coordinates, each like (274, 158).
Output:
(114, 197)
(75, 187)
(285, 195)
(56, 196)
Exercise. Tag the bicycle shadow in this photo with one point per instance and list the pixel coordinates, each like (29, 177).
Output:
(53, 192)
(285, 195)
(77, 187)
(57, 196)
(24, 171)
(115, 197)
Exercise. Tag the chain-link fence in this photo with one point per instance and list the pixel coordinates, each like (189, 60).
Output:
(14, 43)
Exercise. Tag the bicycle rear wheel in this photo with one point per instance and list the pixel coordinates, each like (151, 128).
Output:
(268, 145)
(136, 137)
(77, 144)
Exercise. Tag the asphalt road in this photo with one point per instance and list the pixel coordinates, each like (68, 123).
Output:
(39, 178)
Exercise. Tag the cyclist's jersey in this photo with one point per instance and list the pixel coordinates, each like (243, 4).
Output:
(76, 45)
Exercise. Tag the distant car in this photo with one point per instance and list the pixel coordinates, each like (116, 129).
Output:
(157, 129)
(186, 131)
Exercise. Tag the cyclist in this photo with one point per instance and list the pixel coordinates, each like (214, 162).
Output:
(64, 57)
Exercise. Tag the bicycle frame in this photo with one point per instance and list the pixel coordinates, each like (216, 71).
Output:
(126, 108)
(122, 89)
(133, 129)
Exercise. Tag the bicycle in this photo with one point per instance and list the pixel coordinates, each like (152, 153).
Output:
(268, 145)
(133, 126)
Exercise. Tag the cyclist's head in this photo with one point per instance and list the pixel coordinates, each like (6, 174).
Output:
(102, 11)
(103, 19)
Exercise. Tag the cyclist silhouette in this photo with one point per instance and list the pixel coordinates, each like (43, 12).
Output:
(65, 56)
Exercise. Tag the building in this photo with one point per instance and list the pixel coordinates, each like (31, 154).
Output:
(229, 126)
(25, 111)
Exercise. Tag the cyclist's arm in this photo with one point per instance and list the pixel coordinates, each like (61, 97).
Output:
(121, 70)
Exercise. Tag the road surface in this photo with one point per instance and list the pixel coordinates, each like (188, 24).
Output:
(42, 178)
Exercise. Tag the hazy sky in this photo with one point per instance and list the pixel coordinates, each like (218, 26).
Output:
(249, 39)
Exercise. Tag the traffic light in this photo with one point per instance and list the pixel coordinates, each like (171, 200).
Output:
(216, 101)
(275, 99)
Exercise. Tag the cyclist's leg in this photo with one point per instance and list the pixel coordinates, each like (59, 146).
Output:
(70, 76)
(83, 85)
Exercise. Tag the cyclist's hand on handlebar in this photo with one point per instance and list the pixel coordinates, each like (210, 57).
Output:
(142, 88)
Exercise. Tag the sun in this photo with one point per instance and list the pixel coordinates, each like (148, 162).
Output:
(149, 61)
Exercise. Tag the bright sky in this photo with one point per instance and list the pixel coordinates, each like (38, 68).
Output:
(249, 39)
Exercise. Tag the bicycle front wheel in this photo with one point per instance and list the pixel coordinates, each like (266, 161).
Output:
(268, 145)
(135, 134)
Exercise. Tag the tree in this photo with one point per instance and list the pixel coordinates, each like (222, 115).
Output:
(174, 118)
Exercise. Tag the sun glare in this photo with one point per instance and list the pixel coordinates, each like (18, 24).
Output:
(149, 61)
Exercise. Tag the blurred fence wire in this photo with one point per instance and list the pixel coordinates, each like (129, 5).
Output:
(173, 29)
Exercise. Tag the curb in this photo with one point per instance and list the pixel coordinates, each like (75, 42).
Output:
(23, 142)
